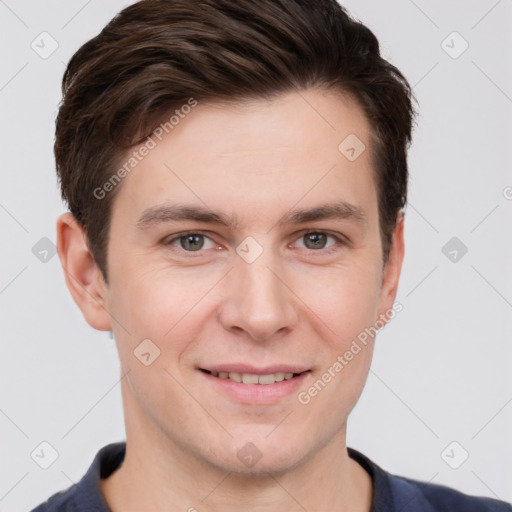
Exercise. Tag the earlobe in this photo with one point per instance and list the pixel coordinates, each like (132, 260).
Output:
(392, 269)
(83, 277)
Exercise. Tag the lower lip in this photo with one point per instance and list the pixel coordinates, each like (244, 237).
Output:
(257, 393)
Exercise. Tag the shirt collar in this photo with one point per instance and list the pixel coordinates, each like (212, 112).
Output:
(110, 457)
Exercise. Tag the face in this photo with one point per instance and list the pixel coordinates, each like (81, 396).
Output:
(271, 283)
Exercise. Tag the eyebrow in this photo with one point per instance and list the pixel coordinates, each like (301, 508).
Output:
(160, 214)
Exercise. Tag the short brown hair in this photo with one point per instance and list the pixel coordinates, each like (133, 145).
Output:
(156, 54)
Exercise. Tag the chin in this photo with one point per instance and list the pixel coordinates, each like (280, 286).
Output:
(258, 458)
(269, 465)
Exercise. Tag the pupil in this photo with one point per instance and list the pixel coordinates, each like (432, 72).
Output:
(192, 242)
(318, 240)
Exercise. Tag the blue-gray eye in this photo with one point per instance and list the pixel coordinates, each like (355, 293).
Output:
(192, 242)
(316, 240)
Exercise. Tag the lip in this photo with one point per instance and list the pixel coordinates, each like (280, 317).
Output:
(245, 368)
(255, 394)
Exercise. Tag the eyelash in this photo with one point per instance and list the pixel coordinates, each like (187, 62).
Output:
(339, 242)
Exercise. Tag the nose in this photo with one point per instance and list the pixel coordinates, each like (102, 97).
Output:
(258, 299)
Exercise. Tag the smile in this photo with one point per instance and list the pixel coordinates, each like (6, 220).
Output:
(253, 378)
(256, 386)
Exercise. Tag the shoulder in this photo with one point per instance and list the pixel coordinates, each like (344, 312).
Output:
(86, 496)
(62, 501)
(393, 493)
(428, 497)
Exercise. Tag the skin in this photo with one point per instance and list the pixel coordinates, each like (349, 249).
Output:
(294, 304)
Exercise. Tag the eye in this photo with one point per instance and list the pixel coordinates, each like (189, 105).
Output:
(191, 242)
(317, 240)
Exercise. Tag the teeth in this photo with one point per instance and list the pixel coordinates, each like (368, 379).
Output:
(251, 378)
(266, 379)
(237, 377)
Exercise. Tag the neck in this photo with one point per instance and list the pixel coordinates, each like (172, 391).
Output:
(157, 474)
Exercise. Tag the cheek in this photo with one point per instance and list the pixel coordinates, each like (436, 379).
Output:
(346, 300)
(349, 311)
(167, 308)
(345, 297)
(151, 302)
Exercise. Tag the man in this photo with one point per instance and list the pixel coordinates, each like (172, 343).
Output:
(236, 175)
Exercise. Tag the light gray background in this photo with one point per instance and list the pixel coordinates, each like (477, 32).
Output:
(441, 370)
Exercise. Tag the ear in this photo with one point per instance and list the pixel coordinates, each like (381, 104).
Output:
(391, 271)
(83, 277)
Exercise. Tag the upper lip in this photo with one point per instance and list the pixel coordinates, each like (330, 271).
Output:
(261, 370)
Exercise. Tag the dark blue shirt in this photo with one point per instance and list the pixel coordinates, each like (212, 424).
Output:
(391, 493)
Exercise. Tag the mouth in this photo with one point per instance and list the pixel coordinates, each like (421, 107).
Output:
(249, 385)
(255, 378)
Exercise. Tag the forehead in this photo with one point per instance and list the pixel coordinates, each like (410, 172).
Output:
(298, 121)
(259, 153)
